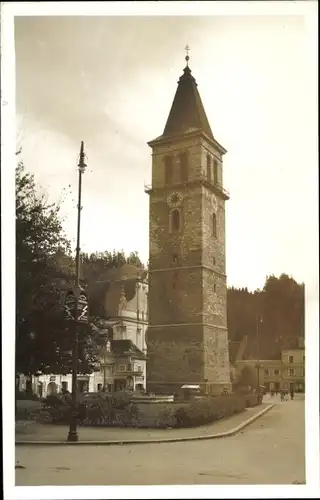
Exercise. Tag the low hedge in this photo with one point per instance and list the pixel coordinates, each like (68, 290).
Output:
(117, 410)
(105, 410)
(205, 411)
(26, 396)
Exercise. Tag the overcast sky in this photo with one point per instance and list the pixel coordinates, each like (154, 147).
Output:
(110, 82)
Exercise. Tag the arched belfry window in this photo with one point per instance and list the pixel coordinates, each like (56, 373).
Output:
(209, 176)
(175, 222)
(215, 172)
(168, 169)
(183, 157)
(214, 225)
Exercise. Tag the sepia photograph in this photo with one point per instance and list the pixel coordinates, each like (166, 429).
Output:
(164, 246)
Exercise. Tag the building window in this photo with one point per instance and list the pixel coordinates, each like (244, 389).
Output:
(291, 372)
(139, 337)
(214, 225)
(139, 368)
(64, 386)
(209, 177)
(215, 171)
(276, 372)
(168, 169)
(123, 331)
(183, 157)
(122, 368)
(99, 387)
(175, 220)
(290, 359)
(266, 371)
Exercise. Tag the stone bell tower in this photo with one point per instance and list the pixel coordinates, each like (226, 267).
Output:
(187, 335)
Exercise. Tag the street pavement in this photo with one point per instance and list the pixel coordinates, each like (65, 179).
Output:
(269, 451)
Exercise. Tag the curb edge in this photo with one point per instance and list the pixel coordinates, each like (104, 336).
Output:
(220, 435)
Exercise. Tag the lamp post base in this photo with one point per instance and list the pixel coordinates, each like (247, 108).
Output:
(73, 431)
(73, 436)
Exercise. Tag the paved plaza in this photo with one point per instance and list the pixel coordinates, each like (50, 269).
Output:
(269, 451)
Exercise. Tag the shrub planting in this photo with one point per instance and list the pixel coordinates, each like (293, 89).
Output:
(106, 410)
(204, 411)
(118, 410)
(26, 396)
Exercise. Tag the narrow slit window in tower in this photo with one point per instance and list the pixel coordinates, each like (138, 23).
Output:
(175, 220)
(214, 225)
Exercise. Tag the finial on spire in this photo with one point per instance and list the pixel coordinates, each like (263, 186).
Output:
(187, 48)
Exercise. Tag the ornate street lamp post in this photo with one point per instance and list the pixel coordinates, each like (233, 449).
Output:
(77, 300)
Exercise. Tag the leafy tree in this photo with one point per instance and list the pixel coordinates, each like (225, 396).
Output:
(39, 237)
(43, 268)
(283, 310)
(247, 378)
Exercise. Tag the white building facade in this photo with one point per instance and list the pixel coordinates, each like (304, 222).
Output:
(124, 300)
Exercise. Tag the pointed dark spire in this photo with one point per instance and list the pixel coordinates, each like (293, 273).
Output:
(187, 112)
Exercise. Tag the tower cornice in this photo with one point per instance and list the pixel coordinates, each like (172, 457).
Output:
(162, 140)
(200, 181)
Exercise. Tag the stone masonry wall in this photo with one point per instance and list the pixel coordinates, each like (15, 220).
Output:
(175, 355)
(185, 244)
(213, 247)
(216, 356)
(175, 296)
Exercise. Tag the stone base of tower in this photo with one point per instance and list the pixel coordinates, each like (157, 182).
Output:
(192, 355)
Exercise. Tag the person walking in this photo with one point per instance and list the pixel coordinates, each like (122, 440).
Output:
(291, 394)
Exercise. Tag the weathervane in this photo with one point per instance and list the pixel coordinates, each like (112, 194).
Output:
(187, 48)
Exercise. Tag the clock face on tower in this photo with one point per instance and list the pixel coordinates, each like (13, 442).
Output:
(175, 199)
